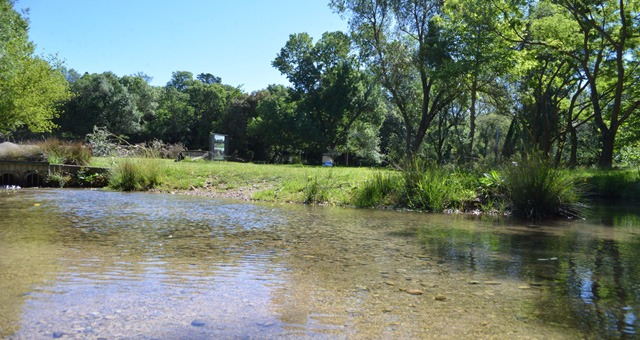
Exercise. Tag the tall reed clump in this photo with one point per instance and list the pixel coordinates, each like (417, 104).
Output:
(135, 174)
(381, 190)
(535, 190)
(59, 152)
(435, 188)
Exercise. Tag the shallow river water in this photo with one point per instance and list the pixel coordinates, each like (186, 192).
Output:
(109, 265)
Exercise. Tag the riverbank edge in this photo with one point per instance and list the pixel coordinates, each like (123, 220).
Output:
(340, 186)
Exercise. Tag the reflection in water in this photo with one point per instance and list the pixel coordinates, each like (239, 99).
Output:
(77, 263)
(592, 271)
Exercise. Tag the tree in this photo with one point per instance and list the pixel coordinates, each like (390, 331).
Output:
(209, 102)
(602, 39)
(144, 97)
(334, 93)
(174, 119)
(404, 44)
(275, 132)
(30, 89)
(485, 57)
(100, 100)
(208, 78)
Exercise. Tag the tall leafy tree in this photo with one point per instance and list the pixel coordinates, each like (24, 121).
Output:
(175, 118)
(485, 57)
(208, 78)
(100, 100)
(144, 97)
(30, 89)
(275, 132)
(602, 39)
(334, 92)
(404, 43)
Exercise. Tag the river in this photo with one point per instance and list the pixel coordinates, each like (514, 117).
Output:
(101, 265)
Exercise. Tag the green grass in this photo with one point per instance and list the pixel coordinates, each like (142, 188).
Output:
(614, 185)
(282, 183)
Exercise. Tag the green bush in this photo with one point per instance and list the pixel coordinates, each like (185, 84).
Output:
(58, 179)
(135, 175)
(492, 191)
(537, 190)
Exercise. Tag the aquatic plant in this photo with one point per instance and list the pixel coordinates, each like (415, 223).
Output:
(537, 190)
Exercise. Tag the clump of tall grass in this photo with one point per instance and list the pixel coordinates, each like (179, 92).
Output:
(428, 187)
(315, 190)
(535, 190)
(380, 190)
(135, 174)
(58, 152)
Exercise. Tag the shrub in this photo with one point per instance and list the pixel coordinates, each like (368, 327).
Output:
(135, 175)
(58, 179)
(85, 178)
(101, 141)
(492, 191)
(537, 190)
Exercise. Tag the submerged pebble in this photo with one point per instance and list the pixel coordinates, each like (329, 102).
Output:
(198, 323)
(440, 298)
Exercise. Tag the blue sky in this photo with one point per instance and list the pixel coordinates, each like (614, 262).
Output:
(232, 39)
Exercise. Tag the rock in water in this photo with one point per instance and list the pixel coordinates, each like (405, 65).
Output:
(198, 323)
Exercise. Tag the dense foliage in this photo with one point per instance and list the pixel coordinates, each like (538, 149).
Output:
(451, 82)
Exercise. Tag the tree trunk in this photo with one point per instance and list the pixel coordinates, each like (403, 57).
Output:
(573, 157)
(606, 156)
(509, 147)
(472, 119)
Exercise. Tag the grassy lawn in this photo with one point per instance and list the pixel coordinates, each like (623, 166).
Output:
(267, 182)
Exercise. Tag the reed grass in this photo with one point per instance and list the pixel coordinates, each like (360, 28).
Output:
(136, 174)
(536, 190)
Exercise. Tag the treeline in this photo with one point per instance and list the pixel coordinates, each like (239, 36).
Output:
(459, 81)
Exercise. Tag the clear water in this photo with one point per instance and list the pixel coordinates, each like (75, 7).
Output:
(94, 264)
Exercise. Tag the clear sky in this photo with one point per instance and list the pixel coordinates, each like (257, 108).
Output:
(233, 39)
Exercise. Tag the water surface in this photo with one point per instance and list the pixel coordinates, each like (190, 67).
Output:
(94, 264)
